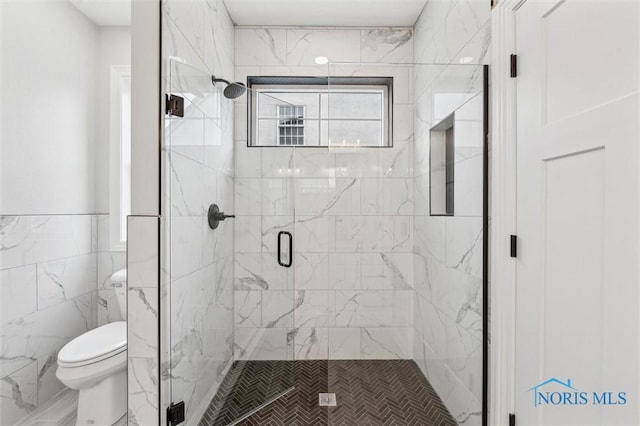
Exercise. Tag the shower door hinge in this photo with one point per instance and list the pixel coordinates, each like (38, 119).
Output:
(512, 419)
(175, 413)
(174, 105)
(514, 66)
(514, 246)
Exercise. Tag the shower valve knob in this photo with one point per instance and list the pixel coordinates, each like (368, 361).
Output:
(215, 216)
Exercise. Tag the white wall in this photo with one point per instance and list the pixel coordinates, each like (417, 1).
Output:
(48, 135)
(48, 233)
(114, 48)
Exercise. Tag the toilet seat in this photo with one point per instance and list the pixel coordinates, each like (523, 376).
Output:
(95, 345)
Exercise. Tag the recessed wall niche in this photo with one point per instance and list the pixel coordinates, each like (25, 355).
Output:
(441, 168)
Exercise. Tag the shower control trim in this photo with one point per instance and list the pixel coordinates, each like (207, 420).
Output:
(215, 216)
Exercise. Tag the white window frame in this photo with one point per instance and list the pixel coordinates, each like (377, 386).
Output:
(120, 155)
(275, 86)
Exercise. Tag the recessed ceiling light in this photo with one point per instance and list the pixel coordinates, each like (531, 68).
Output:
(322, 60)
(466, 59)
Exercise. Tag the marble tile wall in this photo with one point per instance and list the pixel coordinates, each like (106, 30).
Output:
(48, 295)
(350, 292)
(197, 262)
(143, 298)
(448, 250)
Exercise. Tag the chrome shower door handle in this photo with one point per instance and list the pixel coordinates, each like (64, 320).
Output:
(290, 259)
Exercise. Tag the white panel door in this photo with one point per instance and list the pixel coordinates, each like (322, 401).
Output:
(577, 326)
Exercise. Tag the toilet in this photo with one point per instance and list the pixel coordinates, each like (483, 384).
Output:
(95, 363)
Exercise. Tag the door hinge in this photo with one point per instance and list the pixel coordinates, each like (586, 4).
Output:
(512, 419)
(514, 66)
(514, 246)
(175, 413)
(174, 105)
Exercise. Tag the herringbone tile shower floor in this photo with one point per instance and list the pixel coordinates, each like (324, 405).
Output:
(368, 392)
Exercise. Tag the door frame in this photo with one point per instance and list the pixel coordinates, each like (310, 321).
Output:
(502, 268)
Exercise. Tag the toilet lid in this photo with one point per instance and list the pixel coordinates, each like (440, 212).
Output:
(94, 345)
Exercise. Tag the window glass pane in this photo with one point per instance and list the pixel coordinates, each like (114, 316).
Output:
(352, 132)
(268, 103)
(355, 105)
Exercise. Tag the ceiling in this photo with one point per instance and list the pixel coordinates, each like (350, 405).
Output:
(343, 13)
(106, 12)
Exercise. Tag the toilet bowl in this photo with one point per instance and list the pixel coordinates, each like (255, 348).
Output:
(95, 363)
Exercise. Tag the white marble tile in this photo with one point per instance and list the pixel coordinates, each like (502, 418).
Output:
(193, 186)
(48, 383)
(30, 239)
(271, 226)
(107, 307)
(391, 271)
(358, 162)
(260, 46)
(18, 292)
(464, 245)
(344, 271)
(187, 234)
(218, 148)
(311, 234)
(247, 235)
(40, 333)
(277, 162)
(18, 394)
(66, 279)
(395, 161)
(344, 343)
(102, 232)
(343, 197)
(249, 272)
(387, 196)
(142, 325)
(312, 195)
(386, 343)
(311, 343)
(315, 163)
(143, 390)
(312, 271)
(248, 160)
(394, 45)
(248, 308)
(248, 196)
(142, 251)
(277, 308)
(373, 308)
(312, 308)
(262, 344)
(108, 263)
(304, 45)
(430, 237)
(277, 197)
(372, 234)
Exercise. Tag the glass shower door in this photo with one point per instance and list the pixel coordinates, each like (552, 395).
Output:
(229, 289)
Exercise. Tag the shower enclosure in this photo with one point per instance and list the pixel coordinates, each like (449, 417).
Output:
(335, 263)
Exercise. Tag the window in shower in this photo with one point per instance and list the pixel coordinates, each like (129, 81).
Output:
(290, 124)
(320, 111)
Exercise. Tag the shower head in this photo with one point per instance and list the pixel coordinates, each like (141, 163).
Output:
(233, 90)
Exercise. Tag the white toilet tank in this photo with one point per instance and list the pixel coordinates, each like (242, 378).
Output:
(119, 283)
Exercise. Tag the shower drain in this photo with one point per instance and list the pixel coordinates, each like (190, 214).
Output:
(327, 399)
